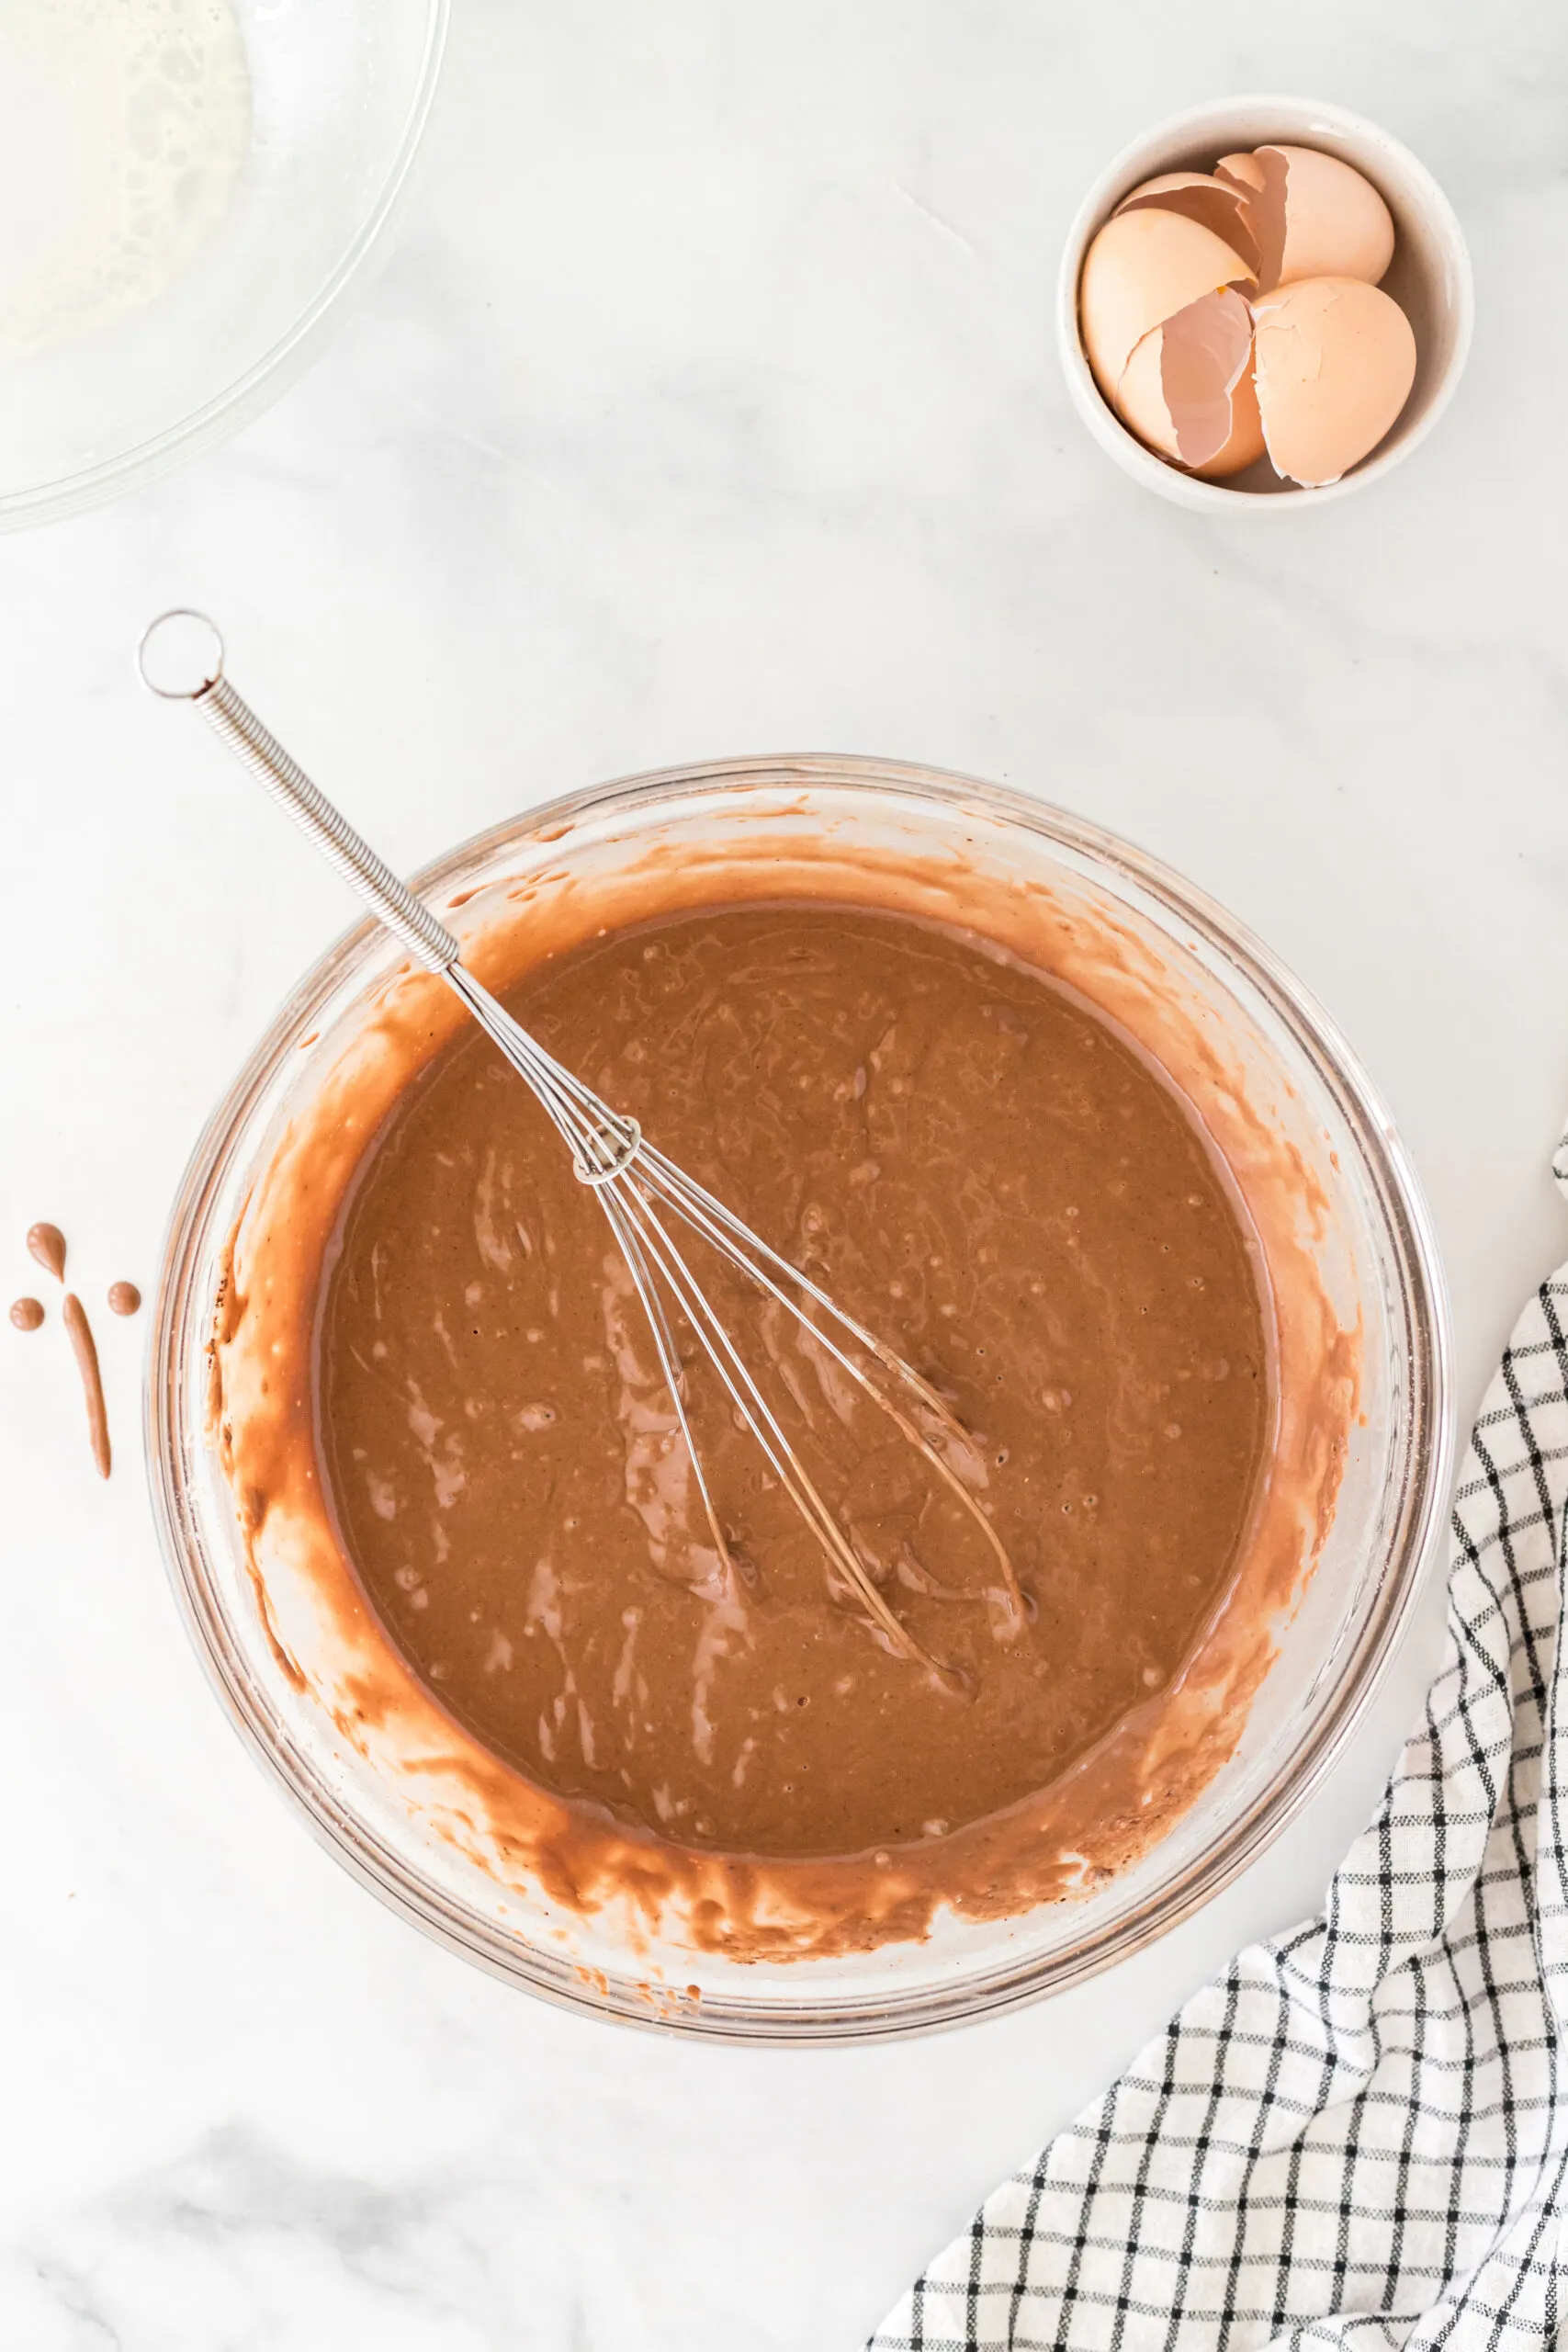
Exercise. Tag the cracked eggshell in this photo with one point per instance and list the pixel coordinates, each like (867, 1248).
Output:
(1335, 361)
(1141, 269)
(1245, 445)
(1244, 171)
(1188, 389)
(1199, 196)
(1315, 217)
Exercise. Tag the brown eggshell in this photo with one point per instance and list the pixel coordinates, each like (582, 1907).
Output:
(1244, 170)
(1315, 217)
(1335, 360)
(1199, 196)
(1141, 269)
(1140, 396)
(1245, 445)
(1186, 390)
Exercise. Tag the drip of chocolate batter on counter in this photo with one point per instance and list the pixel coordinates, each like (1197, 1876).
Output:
(46, 1244)
(85, 1351)
(27, 1314)
(973, 1163)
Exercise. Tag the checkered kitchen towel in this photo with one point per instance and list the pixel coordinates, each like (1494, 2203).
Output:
(1356, 2136)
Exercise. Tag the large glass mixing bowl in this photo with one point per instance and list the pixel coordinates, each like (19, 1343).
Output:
(340, 94)
(1374, 1250)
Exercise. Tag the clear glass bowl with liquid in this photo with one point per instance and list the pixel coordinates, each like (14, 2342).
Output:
(190, 188)
(1379, 1259)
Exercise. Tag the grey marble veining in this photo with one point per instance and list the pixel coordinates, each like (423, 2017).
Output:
(709, 406)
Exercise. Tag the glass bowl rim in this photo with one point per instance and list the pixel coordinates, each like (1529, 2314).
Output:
(267, 377)
(1423, 1454)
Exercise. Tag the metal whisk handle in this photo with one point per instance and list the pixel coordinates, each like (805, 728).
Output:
(648, 1201)
(181, 657)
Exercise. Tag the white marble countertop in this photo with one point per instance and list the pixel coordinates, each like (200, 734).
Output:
(709, 406)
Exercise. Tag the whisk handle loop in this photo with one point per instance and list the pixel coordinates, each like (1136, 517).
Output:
(236, 725)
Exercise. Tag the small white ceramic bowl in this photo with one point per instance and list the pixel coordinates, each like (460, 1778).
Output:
(1430, 278)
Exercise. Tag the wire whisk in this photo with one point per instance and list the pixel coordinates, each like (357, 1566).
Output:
(649, 1203)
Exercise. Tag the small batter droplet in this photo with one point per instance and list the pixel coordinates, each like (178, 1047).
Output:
(46, 1243)
(124, 1298)
(27, 1314)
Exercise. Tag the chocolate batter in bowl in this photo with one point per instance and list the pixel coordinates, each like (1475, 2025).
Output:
(1050, 1125)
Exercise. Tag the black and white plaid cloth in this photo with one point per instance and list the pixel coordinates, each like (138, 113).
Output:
(1356, 2137)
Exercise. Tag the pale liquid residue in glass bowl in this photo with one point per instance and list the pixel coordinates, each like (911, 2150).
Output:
(123, 126)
